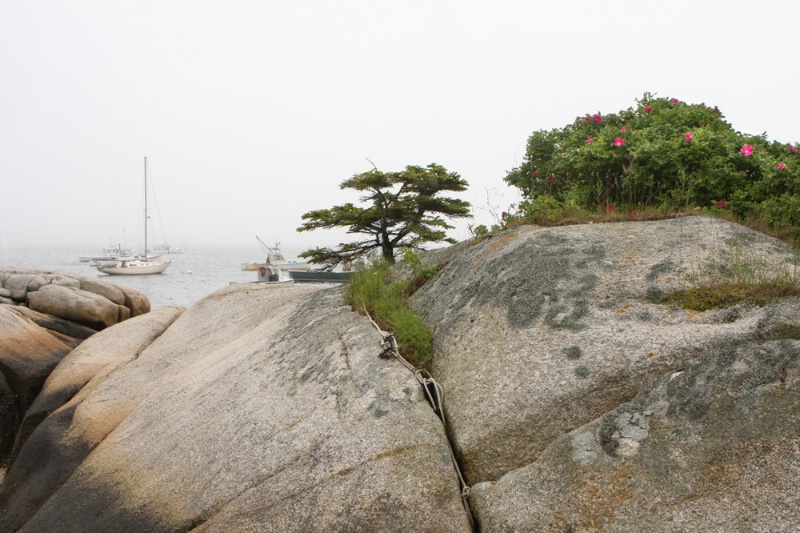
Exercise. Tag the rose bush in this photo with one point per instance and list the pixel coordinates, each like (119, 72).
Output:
(664, 153)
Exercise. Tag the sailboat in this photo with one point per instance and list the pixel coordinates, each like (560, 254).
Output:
(137, 265)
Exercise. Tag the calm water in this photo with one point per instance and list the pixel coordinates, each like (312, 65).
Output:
(193, 274)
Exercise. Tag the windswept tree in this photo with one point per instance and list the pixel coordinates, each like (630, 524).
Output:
(401, 210)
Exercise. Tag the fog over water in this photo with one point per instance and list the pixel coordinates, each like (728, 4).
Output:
(252, 113)
(191, 276)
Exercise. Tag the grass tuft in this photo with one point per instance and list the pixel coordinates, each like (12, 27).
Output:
(745, 276)
(386, 300)
(723, 295)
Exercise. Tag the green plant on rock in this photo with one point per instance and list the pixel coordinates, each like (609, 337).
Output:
(386, 299)
(744, 276)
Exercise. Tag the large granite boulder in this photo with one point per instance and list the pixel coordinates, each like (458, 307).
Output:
(262, 408)
(28, 353)
(575, 400)
(75, 304)
(50, 457)
(43, 316)
(539, 332)
(712, 446)
(94, 358)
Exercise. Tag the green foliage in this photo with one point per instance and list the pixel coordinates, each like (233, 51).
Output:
(386, 300)
(477, 231)
(542, 208)
(421, 271)
(661, 153)
(402, 210)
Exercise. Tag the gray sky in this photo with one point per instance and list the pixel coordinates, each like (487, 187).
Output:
(252, 113)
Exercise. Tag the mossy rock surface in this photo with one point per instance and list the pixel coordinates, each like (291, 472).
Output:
(511, 314)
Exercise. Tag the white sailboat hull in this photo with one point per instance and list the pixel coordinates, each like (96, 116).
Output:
(135, 266)
(132, 268)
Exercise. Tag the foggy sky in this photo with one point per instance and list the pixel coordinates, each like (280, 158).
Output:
(252, 113)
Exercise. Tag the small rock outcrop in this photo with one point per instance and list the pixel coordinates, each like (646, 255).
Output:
(82, 299)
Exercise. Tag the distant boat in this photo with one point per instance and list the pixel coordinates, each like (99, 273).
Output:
(167, 249)
(275, 258)
(135, 266)
(312, 276)
(109, 254)
(132, 267)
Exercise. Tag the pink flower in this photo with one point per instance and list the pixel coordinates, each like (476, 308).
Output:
(647, 109)
(674, 100)
(503, 214)
(563, 154)
(619, 141)
(716, 109)
(632, 215)
(689, 136)
(793, 149)
(550, 180)
(589, 140)
(580, 121)
(624, 129)
(597, 118)
(535, 173)
(609, 208)
(722, 204)
(747, 150)
(781, 166)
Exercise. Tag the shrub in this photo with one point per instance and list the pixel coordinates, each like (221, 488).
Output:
(662, 153)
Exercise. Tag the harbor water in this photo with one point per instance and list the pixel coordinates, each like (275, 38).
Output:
(191, 276)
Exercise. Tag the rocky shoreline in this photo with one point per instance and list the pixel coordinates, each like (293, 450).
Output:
(574, 400)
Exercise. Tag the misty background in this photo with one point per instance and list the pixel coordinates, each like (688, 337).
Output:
(252, 113)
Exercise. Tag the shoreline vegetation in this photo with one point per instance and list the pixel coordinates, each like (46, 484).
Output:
(664, 158)
(660, 159)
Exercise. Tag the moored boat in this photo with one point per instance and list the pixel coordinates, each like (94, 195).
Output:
(276, 258)
(109, 254)
(124, 265)
(314, 276)
(167, 249)
(132, 267)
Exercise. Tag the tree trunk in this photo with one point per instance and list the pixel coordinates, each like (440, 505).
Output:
(388, 251)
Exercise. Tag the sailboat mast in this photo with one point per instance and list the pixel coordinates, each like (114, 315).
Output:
(145, 207)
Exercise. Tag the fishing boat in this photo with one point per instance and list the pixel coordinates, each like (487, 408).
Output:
(275, 258)
(109, 254)
(135, 266)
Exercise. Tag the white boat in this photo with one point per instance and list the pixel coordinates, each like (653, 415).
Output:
(109, 254)
(134, 266)
(275, 258)
(167, 249)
